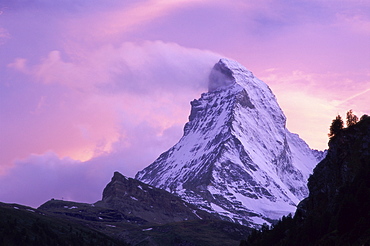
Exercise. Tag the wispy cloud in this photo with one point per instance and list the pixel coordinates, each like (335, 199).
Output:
(312, 100)
(355, 96)
(106, 94)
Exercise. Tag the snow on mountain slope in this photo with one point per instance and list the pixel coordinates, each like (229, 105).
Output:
(236, 157)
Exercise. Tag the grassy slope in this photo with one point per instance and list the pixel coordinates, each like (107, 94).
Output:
(79, 224)
(20, 225)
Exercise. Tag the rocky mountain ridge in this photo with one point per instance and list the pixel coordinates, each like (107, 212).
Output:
(147, 202)
(138, 214)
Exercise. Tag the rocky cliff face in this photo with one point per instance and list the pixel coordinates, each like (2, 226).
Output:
(347, 162)
(146, 202)
(337, 210)
(139, 214)
(236, 157)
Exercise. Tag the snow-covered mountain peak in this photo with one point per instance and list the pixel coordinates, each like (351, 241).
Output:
(236, 157)
(225, 73)
(229, 79)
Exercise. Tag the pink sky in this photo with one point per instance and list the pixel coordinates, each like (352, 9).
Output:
(91, 87)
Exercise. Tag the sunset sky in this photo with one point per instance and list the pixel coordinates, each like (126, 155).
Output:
(91, 87)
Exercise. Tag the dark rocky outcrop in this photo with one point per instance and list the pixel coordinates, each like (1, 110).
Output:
(139, 214)
(347, 162)
(337, 211)
(154, 205)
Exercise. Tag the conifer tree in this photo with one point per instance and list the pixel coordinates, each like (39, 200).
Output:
(336, 126)
(351, 118)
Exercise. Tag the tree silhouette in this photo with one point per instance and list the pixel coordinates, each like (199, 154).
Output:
(336, 126)
(351, 118)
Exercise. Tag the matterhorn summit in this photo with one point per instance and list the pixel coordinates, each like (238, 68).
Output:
(236, 157)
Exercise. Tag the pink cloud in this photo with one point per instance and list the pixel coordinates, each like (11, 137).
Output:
(135, 66)
(84, 106)
(314, 95)
(41, 177)
(38, 178)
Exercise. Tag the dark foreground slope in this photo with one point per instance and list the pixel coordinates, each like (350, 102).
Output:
(130, 213)
(337, 211)
(141, 214)
(20, 225)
